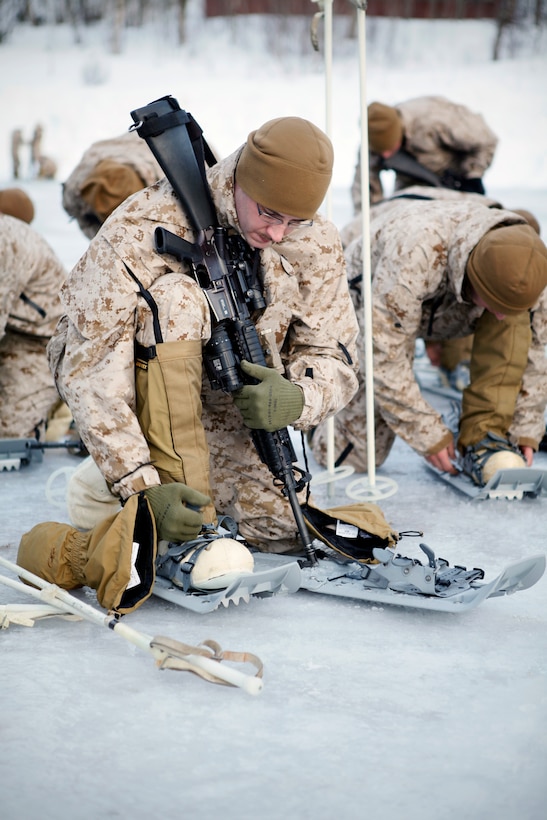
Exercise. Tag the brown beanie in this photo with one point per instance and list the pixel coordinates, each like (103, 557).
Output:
(109, 185)
(508, 268)
(286, 165)
(15, 202)
(385, 129)
(529, 217)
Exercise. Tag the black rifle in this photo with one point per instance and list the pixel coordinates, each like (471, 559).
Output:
(224, 266)
(404, 163)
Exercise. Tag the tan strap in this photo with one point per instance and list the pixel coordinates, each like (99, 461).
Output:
(173, 654)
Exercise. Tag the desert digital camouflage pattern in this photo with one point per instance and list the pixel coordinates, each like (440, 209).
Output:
(354, 227)
(441, 135)
(128, 149)
(419, 251)
(30, 279)
(308, 309)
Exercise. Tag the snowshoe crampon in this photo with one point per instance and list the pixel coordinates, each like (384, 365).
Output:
(267, 579)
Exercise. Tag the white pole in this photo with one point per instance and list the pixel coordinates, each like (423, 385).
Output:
(365, 228)
(326, 15)
(327, 4)
(160, 648)
(366, 488)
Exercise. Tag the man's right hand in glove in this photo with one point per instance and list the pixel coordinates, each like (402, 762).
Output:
(177, 511)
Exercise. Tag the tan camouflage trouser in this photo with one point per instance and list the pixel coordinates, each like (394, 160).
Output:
(242, 486)
(27, 389)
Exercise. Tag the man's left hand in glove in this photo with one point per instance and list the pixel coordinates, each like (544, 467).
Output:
(271, 404)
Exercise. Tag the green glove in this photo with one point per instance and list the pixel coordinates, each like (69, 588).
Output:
(176, 510)
(271, 404)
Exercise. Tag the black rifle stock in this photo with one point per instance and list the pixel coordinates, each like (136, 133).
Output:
(26, 450)
(404, 163)
(223, 266)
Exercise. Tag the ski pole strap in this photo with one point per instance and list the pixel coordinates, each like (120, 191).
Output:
(177, 655)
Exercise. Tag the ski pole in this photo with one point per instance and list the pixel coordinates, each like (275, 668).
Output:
(168, 653)
(26, 614)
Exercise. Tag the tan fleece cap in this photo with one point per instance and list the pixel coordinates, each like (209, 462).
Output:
(109, 184)
(508, 268)
(286, 165)
(385, 129)
(529, 217)
(15, 202)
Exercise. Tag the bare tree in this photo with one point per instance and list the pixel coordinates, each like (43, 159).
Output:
(118, 24)
(181, 21)
(506, 18)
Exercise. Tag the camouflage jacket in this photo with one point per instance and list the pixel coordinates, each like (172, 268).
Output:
(128, 149)
(308, 308)
(419, 252)
(442, 136)
(31, 276)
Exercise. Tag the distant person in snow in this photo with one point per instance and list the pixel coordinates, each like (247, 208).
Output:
(163, 441)
(432, 140)
(108, 172)
(445, 268)
(31, 276)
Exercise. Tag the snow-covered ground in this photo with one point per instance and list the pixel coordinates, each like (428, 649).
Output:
(367, 711)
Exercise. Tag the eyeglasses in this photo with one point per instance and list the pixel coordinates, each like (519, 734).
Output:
(272, 218)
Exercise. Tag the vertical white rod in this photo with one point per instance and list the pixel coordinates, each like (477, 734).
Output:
(327, 12)
(365, 229)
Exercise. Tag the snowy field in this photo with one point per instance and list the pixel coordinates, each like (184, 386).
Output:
(367, 711)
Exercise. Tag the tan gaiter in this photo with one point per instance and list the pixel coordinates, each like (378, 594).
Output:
(498, 361)
(169, 411)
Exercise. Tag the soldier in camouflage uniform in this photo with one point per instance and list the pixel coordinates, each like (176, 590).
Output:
(441, 269)
(108, 172)
(150, 422)
(30, 279)
(445, 137)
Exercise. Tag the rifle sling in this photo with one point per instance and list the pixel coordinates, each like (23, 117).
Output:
(404, 163)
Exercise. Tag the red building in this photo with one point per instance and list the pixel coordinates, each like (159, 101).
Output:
(431, 9)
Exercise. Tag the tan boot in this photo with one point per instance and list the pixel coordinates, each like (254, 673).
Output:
(117, 557)
(208, 562)
(483, 460)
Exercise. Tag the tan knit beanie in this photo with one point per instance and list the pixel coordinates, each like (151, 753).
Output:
(529, 217)
(385, 129)
(286, 165)
(108, 185)
(508, 268)
(15, 202)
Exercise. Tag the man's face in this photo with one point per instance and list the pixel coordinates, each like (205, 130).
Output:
(393, 150)
(481, 303)
(261, 226)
